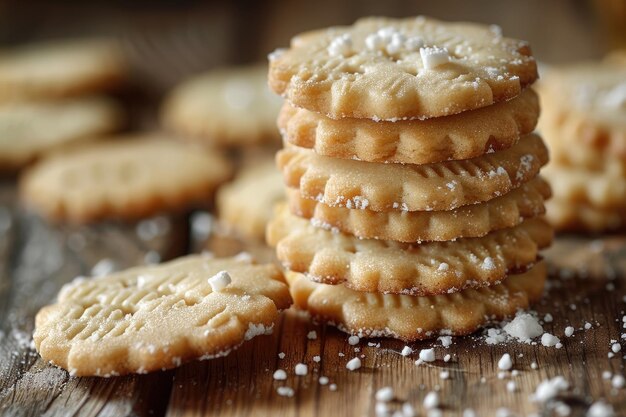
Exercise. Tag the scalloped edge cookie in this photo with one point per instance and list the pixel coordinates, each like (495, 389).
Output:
(462, 136)
(401, 268)
(125, 178)
(225, 107)
(473, 220)
(155, 318)
(564, 215)
(416, 318)
(395, 187)
(395, 69)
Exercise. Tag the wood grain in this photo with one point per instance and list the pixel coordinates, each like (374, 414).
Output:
(227, 386)
(37, 258)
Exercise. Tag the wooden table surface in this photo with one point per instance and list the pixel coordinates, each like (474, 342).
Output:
(37, 258)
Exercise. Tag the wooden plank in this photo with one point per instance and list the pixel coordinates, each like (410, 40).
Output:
(242, 384)
(36, 260)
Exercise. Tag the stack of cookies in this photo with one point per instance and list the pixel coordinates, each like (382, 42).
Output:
(585, 127)
(414, 201)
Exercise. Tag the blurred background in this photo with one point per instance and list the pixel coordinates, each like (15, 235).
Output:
(169, 40)
(164, 70)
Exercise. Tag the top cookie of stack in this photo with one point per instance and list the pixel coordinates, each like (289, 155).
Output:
(408, 145)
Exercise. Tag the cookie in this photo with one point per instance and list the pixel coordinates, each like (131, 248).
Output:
(604, 190)
(29, 130)
(123, 179)
(386, 187)
(394, 267)
(462, 136)
(229, 107)
(58, 69)
(569, 153)
(246, 204)
(584, 106)
(395, 69)
(474, 220)
(415, 318)
(579, 217)
(151, 318)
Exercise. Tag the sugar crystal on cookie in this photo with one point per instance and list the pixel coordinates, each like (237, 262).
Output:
(433, 56)
(220, 281)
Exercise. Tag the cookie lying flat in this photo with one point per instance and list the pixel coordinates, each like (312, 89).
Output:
(473, 220)
(391, 69)
(151, 318)
(604, 190)
(60, 69)
(124, 179)
(231, 106)
(28, 130)
(247, 203)
(462, 136)
(414, 318)
(394, 267)
(566, 215)
(387, 187)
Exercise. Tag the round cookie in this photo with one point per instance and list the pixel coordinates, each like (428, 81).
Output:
(123, 179)
(393, 69)
(584, 107)
(578, 217)
(155, 318)
(402, 268)
(31, 129)
(461, 136)
(393, 187)
(603, 190)
(246, 204)
(60, 69)
(473, 220)
(415, 318)
(592, 158)
(228, 107)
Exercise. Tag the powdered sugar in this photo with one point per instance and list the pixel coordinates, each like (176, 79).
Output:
(341, 46)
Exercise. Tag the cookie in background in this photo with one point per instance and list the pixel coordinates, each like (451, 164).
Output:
(62, 68)
(584, 124)
(228, 107)
(29, 130)
(246, 204)
(244, 208)
(123, 178)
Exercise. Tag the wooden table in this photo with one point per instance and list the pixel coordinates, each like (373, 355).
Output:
(37, 258)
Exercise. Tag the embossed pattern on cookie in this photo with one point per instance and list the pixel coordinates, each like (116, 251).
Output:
(389, 187)
(395, 69)
(473, 220)
(415, 318)
(462, 136)
(152, 318)
(401, 268)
